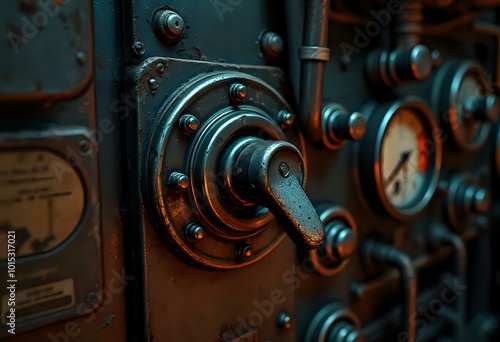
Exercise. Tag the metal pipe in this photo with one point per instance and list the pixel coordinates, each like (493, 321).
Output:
(313, 55)
(374, 330)
(438, 233)
(382, 252)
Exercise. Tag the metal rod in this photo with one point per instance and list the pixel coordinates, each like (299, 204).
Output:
(379, 251)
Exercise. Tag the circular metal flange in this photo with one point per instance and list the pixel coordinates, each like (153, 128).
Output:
(228, 221)
(459, 201)
(325, 320)
(369, 154)
(319, 257)
(456, 82)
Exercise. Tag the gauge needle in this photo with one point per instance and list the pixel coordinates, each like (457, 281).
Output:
(401, 162)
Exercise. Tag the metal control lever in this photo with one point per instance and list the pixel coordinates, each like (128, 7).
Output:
(271, 174)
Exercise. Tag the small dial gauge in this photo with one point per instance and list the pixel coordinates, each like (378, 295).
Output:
(462, 95)
(42, 200)
(400, 158)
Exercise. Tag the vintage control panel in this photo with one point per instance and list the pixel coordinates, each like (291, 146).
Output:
(230, 171)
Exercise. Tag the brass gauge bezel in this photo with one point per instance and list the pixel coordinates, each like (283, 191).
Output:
(369, 154)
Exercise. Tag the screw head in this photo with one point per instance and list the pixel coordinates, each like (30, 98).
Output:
(284, 169)
(194, 232)
(189, 124)
(178, 181)
(138, 48)
(244, 251)
(173, 23)
(271, 44)
(237, 92)
(284, 320)
(285, 118)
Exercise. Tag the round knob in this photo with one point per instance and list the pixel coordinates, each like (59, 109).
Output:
(345, 331)
(420, 63)
(410, 64)
(399, 66)
(340, 241)
(271, 174)
(339, 125)
(483, 109)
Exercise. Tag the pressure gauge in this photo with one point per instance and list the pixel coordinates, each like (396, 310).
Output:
(462, 96)
(400, 158)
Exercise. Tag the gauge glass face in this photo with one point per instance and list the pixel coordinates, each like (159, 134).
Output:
(42, 201)
(404, 159)
(466, 126)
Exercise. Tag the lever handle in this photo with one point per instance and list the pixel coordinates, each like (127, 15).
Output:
(271, 174)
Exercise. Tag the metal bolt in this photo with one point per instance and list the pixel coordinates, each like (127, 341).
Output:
(284, 169)
(189, 124)
(153, 84)
(286, 119)
(138, 48)
(244, 251)
(194, 232)
(284, 320)
(237, 92)
(168, 26)
(84, 147)
(178, 181)
(271, 44)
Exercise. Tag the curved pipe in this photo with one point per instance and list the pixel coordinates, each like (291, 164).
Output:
(439, 234)
(382, 252)
(313, 55)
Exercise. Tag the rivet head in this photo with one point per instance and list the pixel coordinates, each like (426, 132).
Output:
(153, 84)
(284, 320)
(160, 67)
(84, 147)
(285, 118)
(284, 169)
(244, 251)
(80, 58)
(271, 44)
(237, 92)
(178, 181)
(189, 124)
(194, 232)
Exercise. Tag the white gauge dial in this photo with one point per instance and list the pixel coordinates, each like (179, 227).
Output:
(404, 159)
(41, 199)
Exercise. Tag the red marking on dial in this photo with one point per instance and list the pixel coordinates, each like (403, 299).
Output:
(423, 153)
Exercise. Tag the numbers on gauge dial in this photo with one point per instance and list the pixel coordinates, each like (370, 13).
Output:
(404, 159)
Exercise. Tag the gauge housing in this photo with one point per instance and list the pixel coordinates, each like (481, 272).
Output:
(454, 82)
(369, 157)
